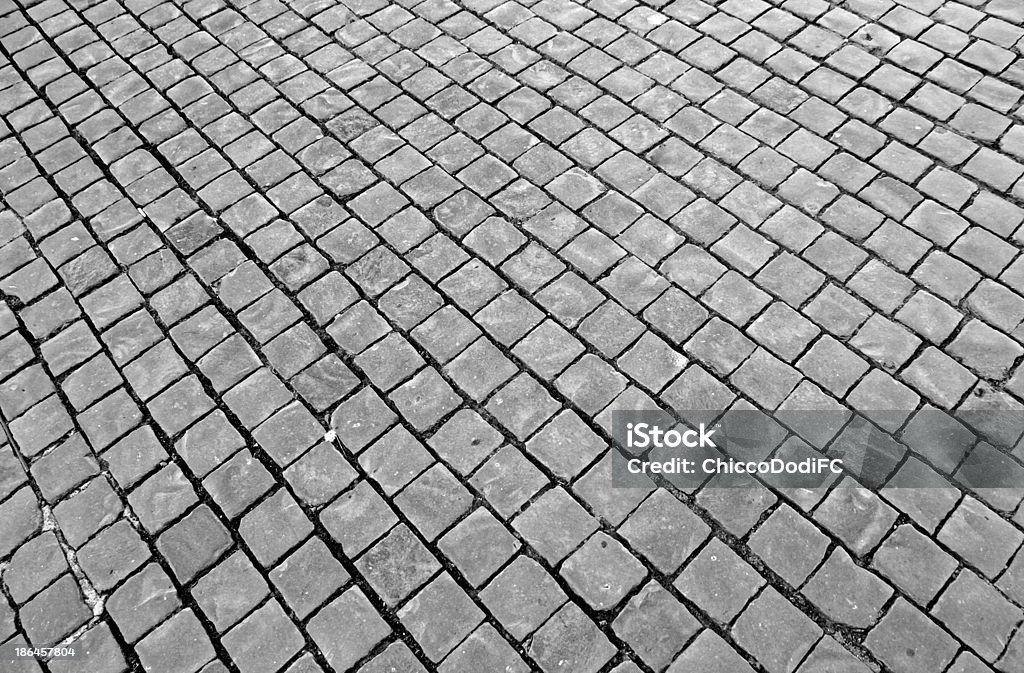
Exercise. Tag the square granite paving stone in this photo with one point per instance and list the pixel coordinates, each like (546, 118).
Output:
(142, 602)
(264, 641)
(907, 640)
(508, 480)
(484, 649)
(480, 369)
(744, 249)
(847, 593)
(288, 433)
(611, 505)
(410, 302)
(554, 524)
(229, 591)
(886, 343)
(789, 545)
(569, 298)
(522, 406)
(664, 531)
(179, 406)
(914, 563)
(833, 366)
(179, 645)
(154, 370)
(508, 317)
(719, 582)
(472, 286)
(87, 271)
(555, 225)
(590, 383)
(440, 616)
(242, 286)
(602, 572)
(31, 281)
(790, 278)
(134, 456)
(42, 318)
(194, 543)
(433, 501)
(775, 632)
(395, 459)
(299, 266)
(609, 329)
(87, 510)
(273, 527)
(361, 419)
(162, 498)
(396, 657)
(720, 346)
(239, 482)
(99, 651)
(566, 445)
(358, 327)
(45, 423)
(446, 333)
(425, 399)
(985, 350)
(656, 625)
(357, 518)
(938, 377)
(697, 395)
(324, 382)
(228, 363)
(996, 304)
(62, 469)
(570, 638)
(196, 335)
(818, 429)
(54, 613)
(494, 240)
(112, 555)
(828, 652)
(91, 381)
(398, 565)
(650, 239)
(327, 297)
(634, 284)
(478, 546)
(269, 316)
(208, 442)
(437, 256)
(765, 378)
(178, 300)
(34, 566)
(293, 350)
(974, 611)
(980, 537)
(709, 652)
(612, 213)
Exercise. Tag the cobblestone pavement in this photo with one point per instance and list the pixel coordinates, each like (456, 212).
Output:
(314, 312)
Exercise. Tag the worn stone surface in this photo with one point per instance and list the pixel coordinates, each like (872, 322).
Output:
(313, 317)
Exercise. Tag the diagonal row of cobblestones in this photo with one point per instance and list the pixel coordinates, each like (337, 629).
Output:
(318, 313)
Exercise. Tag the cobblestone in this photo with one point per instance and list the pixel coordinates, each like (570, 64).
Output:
(313, 317)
